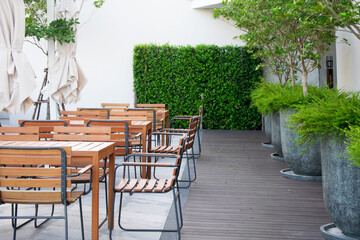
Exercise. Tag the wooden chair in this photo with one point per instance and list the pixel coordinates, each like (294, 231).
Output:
(19, 134)
(151, 116)
(96, 111)
(83, 115)
(191, 134)
(46, 127)
(159, 116)
(88, 134)
(187, 118)
(49, 185)
(82, 134)
(115, 106)
(125, 141)
(129, 183)
(129, 115)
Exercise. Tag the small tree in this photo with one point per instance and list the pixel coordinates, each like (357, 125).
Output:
(286, 29)
(37, 27)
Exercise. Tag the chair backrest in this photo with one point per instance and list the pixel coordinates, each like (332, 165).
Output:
(101, 112)
(193, 127)
(120, 134)
(19, 134)
(19, 171)
(151, 105)
(151, 115)
(129, 115)
(182, 145)
(83, 115)
(115, 106)
(83, 134)
(46, 127)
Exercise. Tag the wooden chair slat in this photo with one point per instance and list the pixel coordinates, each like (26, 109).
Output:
(122, 184)
(19, 137)
(28, 172)
(150, 186)
(142, 183)
(169, 183)
(160, 185)
(131, 185)
(31, 183)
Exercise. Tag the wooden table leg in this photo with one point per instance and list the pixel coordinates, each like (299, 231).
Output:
(95, 200)
(110, 187)
(144, 150)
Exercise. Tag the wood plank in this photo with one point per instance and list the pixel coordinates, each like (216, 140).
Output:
(240, 194)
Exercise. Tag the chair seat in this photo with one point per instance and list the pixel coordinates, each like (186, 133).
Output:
(145, 185)
(164, 149)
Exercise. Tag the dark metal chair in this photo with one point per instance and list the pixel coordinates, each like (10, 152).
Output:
(134, 185)
(27, 182)
(191, 134)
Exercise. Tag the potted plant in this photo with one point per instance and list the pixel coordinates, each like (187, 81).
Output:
(264, 98)
(329, 119)
(304, 161)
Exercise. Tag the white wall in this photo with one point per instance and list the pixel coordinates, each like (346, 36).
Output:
(348, 62)
(106, 42)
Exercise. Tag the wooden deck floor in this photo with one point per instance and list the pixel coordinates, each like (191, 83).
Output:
(240, 194)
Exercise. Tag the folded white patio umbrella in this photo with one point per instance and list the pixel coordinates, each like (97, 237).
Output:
(65, 75)
(17, 78)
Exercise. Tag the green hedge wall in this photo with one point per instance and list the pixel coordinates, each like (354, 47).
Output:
(181, 75)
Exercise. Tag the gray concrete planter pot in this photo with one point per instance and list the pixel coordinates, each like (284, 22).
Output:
(267, 128)
(276, 136)
(341, 188)
(304, 165)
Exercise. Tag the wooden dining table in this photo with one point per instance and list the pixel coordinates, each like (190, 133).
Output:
(92, 151)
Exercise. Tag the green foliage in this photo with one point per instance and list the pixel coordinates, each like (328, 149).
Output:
(182, 75)
(36, 24)
(98, 3)
(345, 13)
(353, 144)
(273, 97)
(330, 115)
(285, 30)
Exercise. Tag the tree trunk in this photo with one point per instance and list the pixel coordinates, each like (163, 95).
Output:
(304, 82)
(291, 71)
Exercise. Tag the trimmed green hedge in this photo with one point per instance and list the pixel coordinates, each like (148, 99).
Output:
(180, 75)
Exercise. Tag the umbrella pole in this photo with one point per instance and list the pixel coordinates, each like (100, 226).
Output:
(40, 100)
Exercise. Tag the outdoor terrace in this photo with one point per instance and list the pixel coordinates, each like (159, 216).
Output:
(239, 194)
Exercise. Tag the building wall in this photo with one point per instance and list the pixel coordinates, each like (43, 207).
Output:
(106, 42)
(348, 62)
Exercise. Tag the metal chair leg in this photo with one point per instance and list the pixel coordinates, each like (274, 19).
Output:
(81, 220)
(14, 210)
